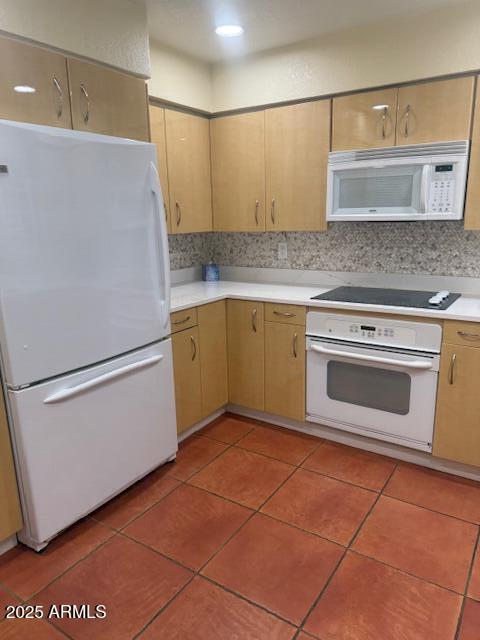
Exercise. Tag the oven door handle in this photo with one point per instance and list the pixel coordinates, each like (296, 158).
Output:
(407, 364)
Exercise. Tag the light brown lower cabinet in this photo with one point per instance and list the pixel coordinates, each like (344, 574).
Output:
(10, 514)
(285, 370)
(245, 331)
(457, 426)
(212, 328)
(186, 369)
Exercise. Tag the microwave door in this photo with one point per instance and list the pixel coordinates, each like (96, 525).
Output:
(377, 191)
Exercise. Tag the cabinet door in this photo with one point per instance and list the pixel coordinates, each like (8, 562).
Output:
(245, 329)
(435, 111)
(364, 120)
(107, 101)
(10, 516)
(285, 370)
(44, 72)
(238, 172)
(157, 136)
(472, 204)
(212, 327)
(188, 160)
(186, 369)
(297, 145)
(457, 427)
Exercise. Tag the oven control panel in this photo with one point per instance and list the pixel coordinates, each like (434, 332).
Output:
(397, 333)
(371, 332)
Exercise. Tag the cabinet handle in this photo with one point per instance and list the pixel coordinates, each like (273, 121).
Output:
(294, 345)
(57, 86)
(284, 314)
(194, 350)
(179, 213)
(272, 211)
(384, 122)
(86, 115)
(406, 117)
(257, 204)
(181, 321)
(451, 369)
(254, 320)
(468, 336)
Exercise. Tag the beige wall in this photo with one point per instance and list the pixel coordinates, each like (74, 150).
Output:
(179, 78)
(112, 31)
(441, 42)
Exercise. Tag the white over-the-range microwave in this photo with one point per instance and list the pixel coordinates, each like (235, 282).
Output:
(417, 182)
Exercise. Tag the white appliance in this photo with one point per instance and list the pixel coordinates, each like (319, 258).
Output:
(374, 377)
(84, 319)
(418, 182)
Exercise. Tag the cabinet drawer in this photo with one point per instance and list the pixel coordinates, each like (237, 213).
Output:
(288, 313)
(465, 333)
(183, 319)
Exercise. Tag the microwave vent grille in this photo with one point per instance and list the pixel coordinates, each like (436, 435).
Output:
(459, 147)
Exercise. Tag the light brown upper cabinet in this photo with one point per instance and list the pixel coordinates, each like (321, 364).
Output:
(238, 172)
(472, 205)
(364, 120)
(297, 142)
(39, 71)
(188, 160)
(435, 111)
(157, 136)
(107, 101)
(246, 361)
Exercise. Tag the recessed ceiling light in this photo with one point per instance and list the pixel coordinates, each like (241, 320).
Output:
(229, 30)
(380, 107)
(24, 88)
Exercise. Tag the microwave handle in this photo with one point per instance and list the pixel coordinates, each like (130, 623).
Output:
(424, 188)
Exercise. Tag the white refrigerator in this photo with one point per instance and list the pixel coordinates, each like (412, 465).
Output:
(84, 320)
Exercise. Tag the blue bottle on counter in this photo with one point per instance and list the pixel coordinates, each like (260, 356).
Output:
(210, 272)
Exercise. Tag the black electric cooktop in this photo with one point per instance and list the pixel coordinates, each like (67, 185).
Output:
(390, 297)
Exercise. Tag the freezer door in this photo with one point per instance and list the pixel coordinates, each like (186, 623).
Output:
(82, 438)
(84, 272)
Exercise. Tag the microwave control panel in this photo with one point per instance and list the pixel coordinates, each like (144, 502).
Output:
(441, 197)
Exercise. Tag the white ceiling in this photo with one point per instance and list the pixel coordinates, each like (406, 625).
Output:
(188, 25)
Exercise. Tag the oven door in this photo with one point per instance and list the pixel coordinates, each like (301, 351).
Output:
(377, 190)
(381, 393)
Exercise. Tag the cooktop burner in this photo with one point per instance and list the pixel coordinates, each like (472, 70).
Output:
(440, 300)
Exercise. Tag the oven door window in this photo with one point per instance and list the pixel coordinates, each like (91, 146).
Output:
(372, 387)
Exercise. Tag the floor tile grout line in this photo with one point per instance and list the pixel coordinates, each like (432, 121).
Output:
(421, 506)
(460, 619)
(35, 594)
(324, 588)
(408, 573)
(117, 529)
(350, 484)
(476, 550)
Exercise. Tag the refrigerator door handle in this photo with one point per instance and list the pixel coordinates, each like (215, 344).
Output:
(156, 190)
(65, 394)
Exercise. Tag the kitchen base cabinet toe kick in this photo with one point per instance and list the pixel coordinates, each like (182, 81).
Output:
(253, 360)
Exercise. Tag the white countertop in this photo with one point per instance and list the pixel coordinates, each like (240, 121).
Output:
(194, 294)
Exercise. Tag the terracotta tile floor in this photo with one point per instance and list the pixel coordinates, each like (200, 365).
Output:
(257, 533)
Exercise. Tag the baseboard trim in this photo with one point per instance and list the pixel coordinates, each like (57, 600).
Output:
(7, 544)
(362, 442)
(203, 423)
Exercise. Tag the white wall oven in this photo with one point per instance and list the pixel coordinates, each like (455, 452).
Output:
(373, 377)
(417, 182)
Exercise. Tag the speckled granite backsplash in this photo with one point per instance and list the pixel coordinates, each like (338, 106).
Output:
(429, 248)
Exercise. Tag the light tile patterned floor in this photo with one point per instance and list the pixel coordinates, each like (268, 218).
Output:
(258, 533)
